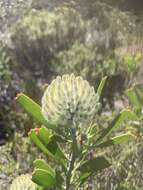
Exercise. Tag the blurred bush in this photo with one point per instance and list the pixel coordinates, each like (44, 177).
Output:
(10, 11)
(88, 38)
(126, 172)
(10, 84)
(49, 43)
(41, 34)
(7, 91)
(87, 60)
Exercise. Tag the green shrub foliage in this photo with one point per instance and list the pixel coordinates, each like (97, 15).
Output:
(41, 34)
(7, 93)
(58, 37)
(68, 106)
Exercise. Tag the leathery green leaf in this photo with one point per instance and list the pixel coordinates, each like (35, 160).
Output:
(39, 144)
(101, 86)
(90, 167)
(52, 149)
(41, 164)
(33, 108)
(43, 178)
(94, 165)
(133, 98)
(44, 135)
(117, 140)
(117, 122)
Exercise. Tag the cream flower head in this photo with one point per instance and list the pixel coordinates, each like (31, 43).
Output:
(23, 182)
(70, 100)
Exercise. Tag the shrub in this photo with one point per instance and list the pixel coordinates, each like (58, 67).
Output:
(7, 92)
(68, 104)
(9, 117)
(85, 60)
(11, 11)
(41, 34)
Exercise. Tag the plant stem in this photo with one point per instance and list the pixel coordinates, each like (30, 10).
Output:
(72, 159)
(69, 172)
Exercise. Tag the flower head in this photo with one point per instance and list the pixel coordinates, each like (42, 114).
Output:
(70, 100)
(23, 182)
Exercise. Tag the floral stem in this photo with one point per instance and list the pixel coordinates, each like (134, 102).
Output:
(72, 159)
(69, 172)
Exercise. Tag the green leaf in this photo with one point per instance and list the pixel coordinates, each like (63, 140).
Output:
(52, 149)
(43, 178)
(39, 144)
(44, 135)
(34, 109)
(101, 86)
(94, 165)
(139, 91)
(117, 122)
(41, 164)
(133, 98)
(90, 167)
(116, 140)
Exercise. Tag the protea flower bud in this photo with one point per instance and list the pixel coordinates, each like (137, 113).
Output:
(23, 182)
(70, 100)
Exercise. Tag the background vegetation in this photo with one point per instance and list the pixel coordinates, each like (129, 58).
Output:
(42, 39)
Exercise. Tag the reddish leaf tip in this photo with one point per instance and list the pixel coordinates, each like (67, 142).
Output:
(18, 95)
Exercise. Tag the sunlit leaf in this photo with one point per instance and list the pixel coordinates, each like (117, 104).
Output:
(33, 108)
(117, 140)
(51, 149)
(101, 86)
(133, 98)
(54, 148)
(92, 166)
(41, 164)
(117, 122)
(44, 135)
(39, 144)
(43, 178)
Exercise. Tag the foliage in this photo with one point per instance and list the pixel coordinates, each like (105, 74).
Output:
(11, 11)
(5, 89)
(41, 34)
(76, 160)
(109, 42)
(48, 43)
(135, 95)
(9, 117)
(87, 61)
(7, 163)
